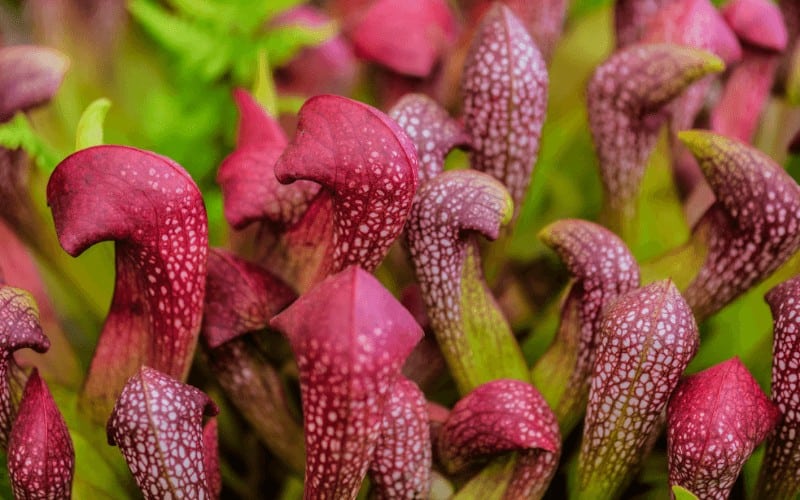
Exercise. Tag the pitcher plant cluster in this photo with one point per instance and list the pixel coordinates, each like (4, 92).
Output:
(362, 322)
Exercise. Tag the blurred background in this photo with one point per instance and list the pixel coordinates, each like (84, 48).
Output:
(162, 73)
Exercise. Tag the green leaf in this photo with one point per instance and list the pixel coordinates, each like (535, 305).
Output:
(201, 51)
(284, 42)
(198, 148)
(173, 32)
(580, 8)
(793, 79)
(18, 133)
(5, 479)
(661, 224)
(94, 478)
(90, 125)
(264, 86)
(292, 489)
(491, 482)
(290, 104)
(100, 471)
(275, 7)
(682, 493)
(792, 165)
(242, 15)
(212, 37)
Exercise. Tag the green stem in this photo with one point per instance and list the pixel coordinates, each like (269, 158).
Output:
(481, 347)
(491, 482)
(556, 373)
(622, 218)
(680, 265)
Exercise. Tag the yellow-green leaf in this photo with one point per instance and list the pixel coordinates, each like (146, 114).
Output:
(90, 125)
(682, 493)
